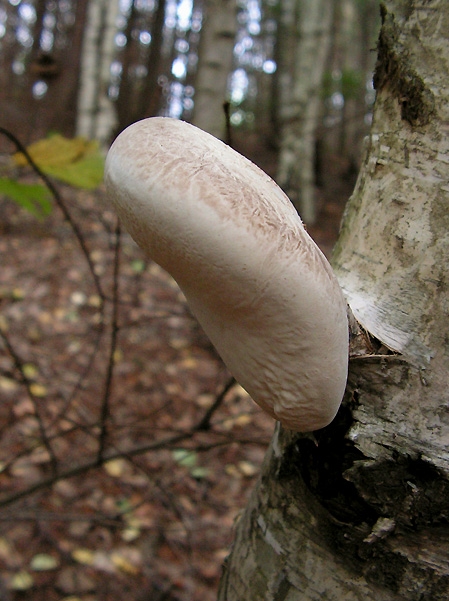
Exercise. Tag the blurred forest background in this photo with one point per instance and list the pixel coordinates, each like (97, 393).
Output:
(121, 469)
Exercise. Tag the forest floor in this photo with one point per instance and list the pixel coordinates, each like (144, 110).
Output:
(118, 477)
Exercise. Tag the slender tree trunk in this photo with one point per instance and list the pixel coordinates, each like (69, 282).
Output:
(149, 99)
(96, 113)
(359, 510)
(358, 29)
(140, 97)
(284, 54)
(300, 110)
(214, 65)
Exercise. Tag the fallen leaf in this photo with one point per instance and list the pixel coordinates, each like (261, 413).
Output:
(30, 371)
(123, 565)
(84, 556)
(38, 390)
(43, 562)
(115, 467)
(8, 384)
(200, 472)
(185, 458)
(243, 420)
(21, 581)
(247, 469)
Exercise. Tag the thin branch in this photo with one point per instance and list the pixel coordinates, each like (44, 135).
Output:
(227, 112)
(204, 423)
(169, 497)
(105, 408)
(85, 467)
(128, 454)
(68, 400)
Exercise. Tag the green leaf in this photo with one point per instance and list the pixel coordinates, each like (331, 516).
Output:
(200, 472)
(35, 198)
(185, 458)
(138, 266)
(86, 173)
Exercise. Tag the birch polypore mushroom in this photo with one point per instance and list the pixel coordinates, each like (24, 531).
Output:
(257, 283)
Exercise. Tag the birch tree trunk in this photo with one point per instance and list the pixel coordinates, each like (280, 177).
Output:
(214, 65)
(300, 109)
(96, 113)
(360, 510)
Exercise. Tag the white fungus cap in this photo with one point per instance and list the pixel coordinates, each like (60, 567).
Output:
(257, 283)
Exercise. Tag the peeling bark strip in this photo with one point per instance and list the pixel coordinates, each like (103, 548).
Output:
(393, 69)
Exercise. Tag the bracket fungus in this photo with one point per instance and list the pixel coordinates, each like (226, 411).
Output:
(252, 276)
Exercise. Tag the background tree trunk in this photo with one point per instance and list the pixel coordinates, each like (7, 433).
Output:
(357, 63)
(300, 109)
(214, 65)
(39, 79)
(96, 113)
(359, 510)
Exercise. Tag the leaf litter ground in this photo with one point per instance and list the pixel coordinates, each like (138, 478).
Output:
(155, 520)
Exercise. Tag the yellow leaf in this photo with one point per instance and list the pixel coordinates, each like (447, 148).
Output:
(53, 151)
(189, 363)
(7, 384)
(84, 556)
(248, 469)
(123, 564)
(94, 301)
(38, 390)
(231, 470)
(77, 161)
(118, 356)
(17, 294)
(130, 533)
(115, 467)
(21, 581)
(243, 419)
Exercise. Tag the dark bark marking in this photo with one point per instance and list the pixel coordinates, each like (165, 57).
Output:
(321, 463)
(410, 490)
(394, 70)
(355, 492)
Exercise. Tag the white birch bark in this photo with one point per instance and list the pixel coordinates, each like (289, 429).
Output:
(300, 109)
(214, 65)
(96, 114)
(359, 511)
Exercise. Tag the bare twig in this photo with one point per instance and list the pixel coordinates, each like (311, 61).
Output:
(204, 423)
(227, 112)
(104, 416)
(89, 465)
